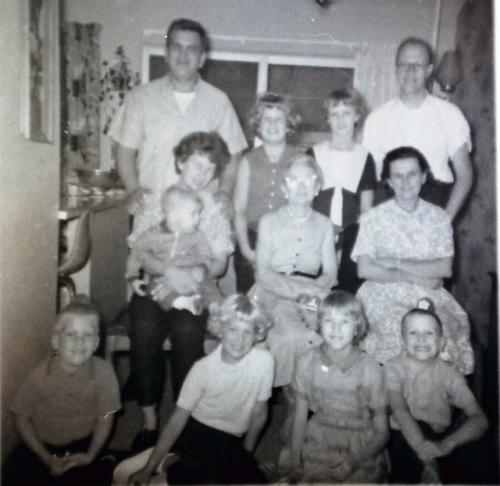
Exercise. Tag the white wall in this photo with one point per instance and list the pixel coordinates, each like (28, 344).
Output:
(29, 198)
(127, 23)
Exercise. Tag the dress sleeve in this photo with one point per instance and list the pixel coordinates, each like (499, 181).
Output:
(192, 387)
(128, 124)
(440, 233)
(366, 240)
(107, 390)
(368, 181)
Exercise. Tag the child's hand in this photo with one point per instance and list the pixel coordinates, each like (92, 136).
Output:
(76, 460)
(176, 279)
(430, 474)
(428, 451)
(137, 201)
(140, 478)
(57, 465)
(139, 286)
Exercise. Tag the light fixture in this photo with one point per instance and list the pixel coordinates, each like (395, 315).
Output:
(449, 72)
(324, 4)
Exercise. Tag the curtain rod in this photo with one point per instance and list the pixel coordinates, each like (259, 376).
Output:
(320, 39)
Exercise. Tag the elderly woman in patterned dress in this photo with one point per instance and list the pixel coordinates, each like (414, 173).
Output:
(404, 250)
(295, 266)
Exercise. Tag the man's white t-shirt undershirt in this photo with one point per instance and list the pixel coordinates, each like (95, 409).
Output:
(184, 99)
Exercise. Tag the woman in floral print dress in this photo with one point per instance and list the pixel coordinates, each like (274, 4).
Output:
(404, 250)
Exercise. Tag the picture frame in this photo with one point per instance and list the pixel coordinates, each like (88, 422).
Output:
(39, 78)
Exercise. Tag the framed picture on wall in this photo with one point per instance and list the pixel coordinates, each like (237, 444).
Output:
(40, 45)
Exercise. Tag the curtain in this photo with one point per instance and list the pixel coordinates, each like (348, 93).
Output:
(81, 93)
(375, 76)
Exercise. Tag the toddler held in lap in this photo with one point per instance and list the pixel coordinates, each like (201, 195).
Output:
(176, 242)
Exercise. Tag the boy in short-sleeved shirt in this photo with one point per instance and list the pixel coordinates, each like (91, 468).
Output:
(64, 409)
(220, 411)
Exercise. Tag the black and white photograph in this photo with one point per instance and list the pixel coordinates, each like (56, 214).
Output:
(257, 246)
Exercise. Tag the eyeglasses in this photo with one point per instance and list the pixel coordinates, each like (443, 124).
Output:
(411, 66)
(294, 181)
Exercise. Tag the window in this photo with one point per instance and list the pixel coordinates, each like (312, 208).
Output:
(307, 80)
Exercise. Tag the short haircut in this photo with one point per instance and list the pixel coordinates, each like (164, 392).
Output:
(348, 303)
(237, 307)
(210, 144)
(416, 41)
(192, 26)
(273, 100)
(421, 310)
(80, 306)
(183, 194)
(306, 159)
(404, 153)
(349, 97)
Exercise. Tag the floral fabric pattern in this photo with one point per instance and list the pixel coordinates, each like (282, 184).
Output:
(81, 90)
(388, 231)
(214, 226)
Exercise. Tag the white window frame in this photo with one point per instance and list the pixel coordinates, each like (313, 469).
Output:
(262, 60)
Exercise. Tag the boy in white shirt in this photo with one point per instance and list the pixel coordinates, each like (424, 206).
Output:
(220, 411)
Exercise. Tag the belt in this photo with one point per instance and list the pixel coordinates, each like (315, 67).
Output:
(301, 274)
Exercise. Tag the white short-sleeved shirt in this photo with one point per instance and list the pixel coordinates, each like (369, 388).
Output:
(437, 128)
(152, 122)
(223, 395)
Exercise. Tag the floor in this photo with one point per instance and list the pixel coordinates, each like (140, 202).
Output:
(270, 445)
(129, 420)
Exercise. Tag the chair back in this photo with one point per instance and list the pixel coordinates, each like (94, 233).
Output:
(79, 253)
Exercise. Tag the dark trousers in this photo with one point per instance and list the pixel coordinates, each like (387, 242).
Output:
(211, 456)
(149, 327)
(467, 464)
(243, 269)
(23, 467)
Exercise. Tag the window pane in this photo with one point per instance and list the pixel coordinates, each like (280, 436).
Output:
(157, 67)
(239, 81)
(308, 86)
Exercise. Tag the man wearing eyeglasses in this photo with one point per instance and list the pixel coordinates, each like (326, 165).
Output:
(430, 124)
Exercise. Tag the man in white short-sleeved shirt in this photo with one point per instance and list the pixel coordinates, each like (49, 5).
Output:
(435, 127)
(157, 115)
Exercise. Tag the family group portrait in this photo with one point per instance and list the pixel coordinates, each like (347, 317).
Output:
(249, 242)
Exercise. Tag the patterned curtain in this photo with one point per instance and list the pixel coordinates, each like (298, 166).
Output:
(81, 92)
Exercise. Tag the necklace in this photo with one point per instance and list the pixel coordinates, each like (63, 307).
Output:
(299, 219)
